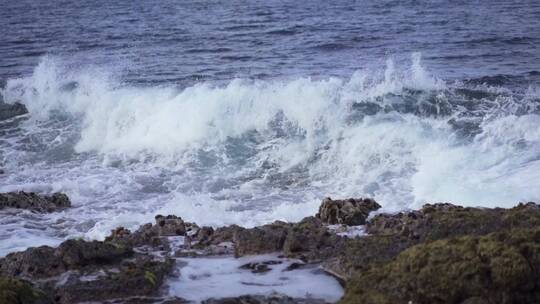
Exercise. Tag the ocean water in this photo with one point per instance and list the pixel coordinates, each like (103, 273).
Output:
(247, 112)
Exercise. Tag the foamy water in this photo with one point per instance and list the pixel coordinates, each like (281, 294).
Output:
(252, 151)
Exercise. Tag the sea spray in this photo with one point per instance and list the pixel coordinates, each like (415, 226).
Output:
(253, 151)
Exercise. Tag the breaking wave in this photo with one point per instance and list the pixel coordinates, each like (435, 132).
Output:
(253, 151)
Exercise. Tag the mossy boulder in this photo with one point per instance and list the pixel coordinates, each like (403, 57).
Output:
(501, 267)
(15, 291)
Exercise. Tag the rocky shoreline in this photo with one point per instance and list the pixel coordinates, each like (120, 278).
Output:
(442, 253)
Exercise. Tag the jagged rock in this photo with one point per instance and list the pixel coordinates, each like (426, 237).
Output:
(256, 299)
(153, 235)
(169, 225)
(350, 212)
(8, 111)
(14, 291)
(502, 267)
(33, 201)
(259, 240)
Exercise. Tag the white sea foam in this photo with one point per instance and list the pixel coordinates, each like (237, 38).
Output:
(250, 152)
(219, 277)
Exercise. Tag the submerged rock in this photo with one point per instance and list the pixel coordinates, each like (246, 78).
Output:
(8, 111)
(502, 267)
(350, 212)
(35, 202)
(258, 299)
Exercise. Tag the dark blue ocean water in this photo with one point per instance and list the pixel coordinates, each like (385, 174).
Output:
(247, 112)
(183, 42)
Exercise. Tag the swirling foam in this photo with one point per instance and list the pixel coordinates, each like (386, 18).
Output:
(253, 151)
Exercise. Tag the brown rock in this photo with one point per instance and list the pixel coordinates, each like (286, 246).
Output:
(350, 212)
(33, 201)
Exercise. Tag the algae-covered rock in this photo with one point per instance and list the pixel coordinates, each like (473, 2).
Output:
(439, 221)
(347, 212)
(14, 291)
(501, 267)
(134, 278)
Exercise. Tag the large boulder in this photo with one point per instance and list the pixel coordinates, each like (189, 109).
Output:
(8, 111)
(502, 267)
(350, 212)
(35, 202)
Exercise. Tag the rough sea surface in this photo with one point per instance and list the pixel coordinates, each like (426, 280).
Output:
(252, 111)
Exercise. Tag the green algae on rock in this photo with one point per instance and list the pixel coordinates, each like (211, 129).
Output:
(502, 267)
(15, 291)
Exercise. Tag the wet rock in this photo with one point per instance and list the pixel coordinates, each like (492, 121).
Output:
(139, 277)
(259, 240)
(256, 299)
(353, 255)
(256, 267)
(310, 240)
(294, 266)
(77, 253)
(34, 202)
(260, 267)
(78, 271)
(153, 235)
(44, 261)
(169, 225)
(501, 267)
(14, 291)
(33, 263)
(8, 111)
(350, 212)
(149, 300)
